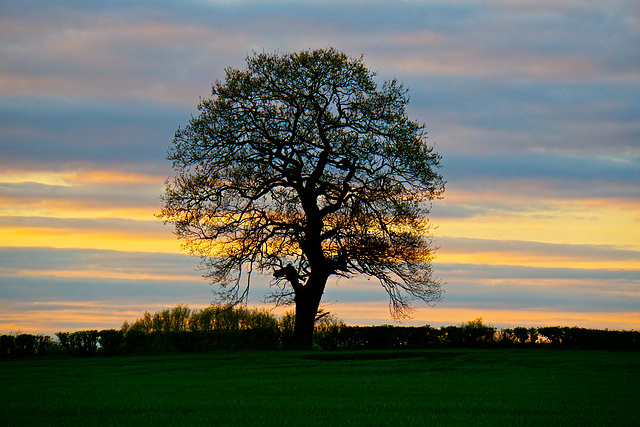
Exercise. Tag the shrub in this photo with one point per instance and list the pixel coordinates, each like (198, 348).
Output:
(83, 343)
(471, 334)
(25, 345)
(555, 334)
(110, 341)
(7, 346)
(135, 341)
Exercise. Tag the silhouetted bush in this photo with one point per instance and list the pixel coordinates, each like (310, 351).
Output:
(7, 346)
(81, 343)
(110, 341)
(25, 345)
(507, 338)
(521, 334)
(330, 337)
(135, 341)
(581, 338)
(472, 334)
(517, 337)
(555, 334)
(212, 318)
(63, 339)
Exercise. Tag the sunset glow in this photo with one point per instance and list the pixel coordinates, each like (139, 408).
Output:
(534, 108)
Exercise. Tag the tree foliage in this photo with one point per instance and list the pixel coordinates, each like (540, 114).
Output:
(302, 167)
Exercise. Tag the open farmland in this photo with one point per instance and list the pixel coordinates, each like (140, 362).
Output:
(435, 387)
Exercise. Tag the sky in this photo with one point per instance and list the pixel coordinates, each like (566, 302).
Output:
(534, 106)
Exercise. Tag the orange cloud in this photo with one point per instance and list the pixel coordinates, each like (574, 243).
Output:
(79, 177)
(92, 239)
(605, 226)
(107, 274)
(43, 318)
(80, 209)
(38, 177)
(531, 258)
(84, 194)
(110, 177)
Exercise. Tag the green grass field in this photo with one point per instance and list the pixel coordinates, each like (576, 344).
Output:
(437, 387)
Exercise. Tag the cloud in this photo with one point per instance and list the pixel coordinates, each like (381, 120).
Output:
(466, 116)
(71, 132)
(116, 286)
(44, 289)
(512, 286)
(472, 62)
(171, 54)
(109, 234)
(43, 317)
(534, 106)
(609, 226)
(159, 50)
(49, 259)
(113, 58)
(528, 253)
(134, 200)
(558, 294)
(546, 166)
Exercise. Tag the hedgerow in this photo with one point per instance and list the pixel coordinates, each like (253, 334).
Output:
(181, 329)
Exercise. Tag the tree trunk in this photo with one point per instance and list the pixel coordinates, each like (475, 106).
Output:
(304, 326)
(307, 303)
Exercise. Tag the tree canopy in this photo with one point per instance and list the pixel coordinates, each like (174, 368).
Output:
(301, 167)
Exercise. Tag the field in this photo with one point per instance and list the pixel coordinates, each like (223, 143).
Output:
(436, 387)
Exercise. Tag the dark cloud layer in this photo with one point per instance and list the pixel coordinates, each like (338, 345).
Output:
(67, 131)
(135, 73)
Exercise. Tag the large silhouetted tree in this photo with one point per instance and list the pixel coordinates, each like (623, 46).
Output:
(300, 166)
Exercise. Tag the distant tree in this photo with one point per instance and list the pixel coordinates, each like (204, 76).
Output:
(522, 334)
(299, 166)
(555, 334)
(477, 333)
(110, 340)
(26, 345)
(7, 346)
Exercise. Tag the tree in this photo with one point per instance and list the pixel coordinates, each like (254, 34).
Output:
(301, 167)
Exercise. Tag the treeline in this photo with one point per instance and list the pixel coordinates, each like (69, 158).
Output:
(182, 329)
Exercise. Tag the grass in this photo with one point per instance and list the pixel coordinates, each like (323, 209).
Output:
(438, 387)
